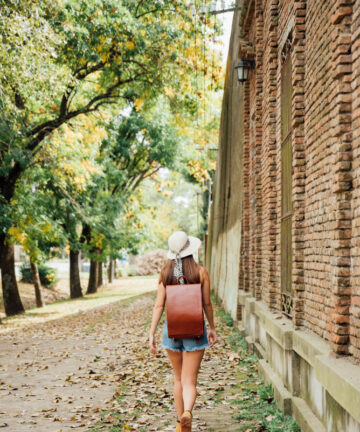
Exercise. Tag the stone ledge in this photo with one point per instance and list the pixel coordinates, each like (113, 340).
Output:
(240, 328)
(250, 344)
(249, 304)
(306, 419)
(281, 395)
(308, 345)
(258, 350)
(242, 296)
(337, 376)
(342, 380)
(279, 329)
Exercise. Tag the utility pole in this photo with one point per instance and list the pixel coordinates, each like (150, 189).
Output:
(197, 210)
(213, 8)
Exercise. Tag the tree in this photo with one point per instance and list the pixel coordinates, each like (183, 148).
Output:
(72, 58)
(34, 228)
(37, 284)
(136, 147)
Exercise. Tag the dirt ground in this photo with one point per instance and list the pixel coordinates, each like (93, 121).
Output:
(56, 376)
(92, 371)
(62, 375)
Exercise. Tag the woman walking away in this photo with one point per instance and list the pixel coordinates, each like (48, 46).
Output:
(185, 353)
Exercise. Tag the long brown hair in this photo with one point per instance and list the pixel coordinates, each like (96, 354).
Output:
(190, 271)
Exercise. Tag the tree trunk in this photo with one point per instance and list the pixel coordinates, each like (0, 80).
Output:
(11, 296)
(100, 274)
(111, 271)
(75, 283)
(115, 268)
(37, 284)
(93, 278)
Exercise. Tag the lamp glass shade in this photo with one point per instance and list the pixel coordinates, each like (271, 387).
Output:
(242, 69)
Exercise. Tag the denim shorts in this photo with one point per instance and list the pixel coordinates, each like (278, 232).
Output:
(186, 344)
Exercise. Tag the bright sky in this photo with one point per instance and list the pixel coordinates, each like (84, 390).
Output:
(227, 20)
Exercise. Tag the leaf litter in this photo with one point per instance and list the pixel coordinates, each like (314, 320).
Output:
(93, 372)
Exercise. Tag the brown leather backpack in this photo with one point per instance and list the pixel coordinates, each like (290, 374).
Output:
(184, 310)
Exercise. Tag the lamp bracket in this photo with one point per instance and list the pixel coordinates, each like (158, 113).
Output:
(246, 48)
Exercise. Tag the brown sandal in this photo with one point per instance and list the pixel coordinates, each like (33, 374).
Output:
(178, 426)
(185, 421)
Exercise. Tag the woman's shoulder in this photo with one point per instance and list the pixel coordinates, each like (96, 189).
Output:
(203, 272)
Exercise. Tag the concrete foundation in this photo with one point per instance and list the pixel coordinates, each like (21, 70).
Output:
(320, 391)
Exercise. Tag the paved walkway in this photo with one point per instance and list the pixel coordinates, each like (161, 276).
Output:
(93, 372)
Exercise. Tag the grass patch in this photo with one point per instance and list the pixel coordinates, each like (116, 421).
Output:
(225, 317)
(113, 421)
(120, 290)
(257, 409)
(214, 298)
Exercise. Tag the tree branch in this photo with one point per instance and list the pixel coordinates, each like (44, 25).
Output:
(40, 132)
(79, 74)
(138, 5)
(104, 98)
(153, 11)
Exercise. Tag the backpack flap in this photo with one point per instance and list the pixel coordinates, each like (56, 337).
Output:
(184, 311)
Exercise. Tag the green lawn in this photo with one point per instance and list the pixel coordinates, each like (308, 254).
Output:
(121, 289)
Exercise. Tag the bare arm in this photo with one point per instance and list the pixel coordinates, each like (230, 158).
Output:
(157, 312)
(208, 309)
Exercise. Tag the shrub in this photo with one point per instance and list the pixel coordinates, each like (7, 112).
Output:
(48, 276)
(150, 263)
(122, 272)
(126, 271)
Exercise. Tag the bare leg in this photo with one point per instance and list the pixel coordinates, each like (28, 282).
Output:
(190, 368)
(176, 361)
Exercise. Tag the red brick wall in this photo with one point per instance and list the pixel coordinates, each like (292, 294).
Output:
(325, 57)
(355, 241)
(284, 17)
(268, 153)
(319, 199)
(298, 156)
(247, 265)
(342, 187)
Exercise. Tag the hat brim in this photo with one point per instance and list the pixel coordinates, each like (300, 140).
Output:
(194, 245)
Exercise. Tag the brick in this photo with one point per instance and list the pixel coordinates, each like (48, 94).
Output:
(340, 14)
(325, 121)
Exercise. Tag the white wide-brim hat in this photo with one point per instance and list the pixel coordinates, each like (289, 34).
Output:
(182, 244)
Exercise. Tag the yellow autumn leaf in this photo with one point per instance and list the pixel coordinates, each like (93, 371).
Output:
(130, 45)
(78, 180)
(169, 91)
(139, 102)
(13, 231)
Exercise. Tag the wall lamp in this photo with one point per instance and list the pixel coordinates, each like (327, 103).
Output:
(243, 68)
